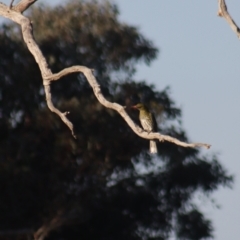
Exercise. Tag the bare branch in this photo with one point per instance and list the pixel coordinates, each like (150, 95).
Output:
(48, 77)
(36, 52)
(223, 12)
(43, 231)
(120, 109)
(23, 5)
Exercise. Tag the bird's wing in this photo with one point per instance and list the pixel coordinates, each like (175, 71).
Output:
(155, 126)
(146, 124)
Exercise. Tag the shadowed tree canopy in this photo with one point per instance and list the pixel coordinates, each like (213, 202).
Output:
(105, 184)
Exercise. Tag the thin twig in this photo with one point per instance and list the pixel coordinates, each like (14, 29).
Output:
(11, 4)
(223, 12)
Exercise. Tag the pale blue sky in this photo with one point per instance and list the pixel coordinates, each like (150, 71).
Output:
(199, 59)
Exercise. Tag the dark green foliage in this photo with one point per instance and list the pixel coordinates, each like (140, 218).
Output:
(104, 185)
(192, 225)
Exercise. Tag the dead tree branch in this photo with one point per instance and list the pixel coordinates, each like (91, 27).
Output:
(48, 77)
(223, 12)
(43, 231)
(23, 5)
(120, 109)
(27, 32)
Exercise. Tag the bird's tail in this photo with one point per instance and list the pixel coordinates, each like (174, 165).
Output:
(153, 146)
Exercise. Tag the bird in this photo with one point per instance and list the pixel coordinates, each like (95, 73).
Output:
(148, 123)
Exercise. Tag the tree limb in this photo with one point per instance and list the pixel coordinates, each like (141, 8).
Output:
(23, 5)
(44, 230)
(223, 12)
(37, 54)
(120, 109)
(48, 77)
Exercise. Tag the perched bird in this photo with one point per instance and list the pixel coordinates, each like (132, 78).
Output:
(148, 123)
